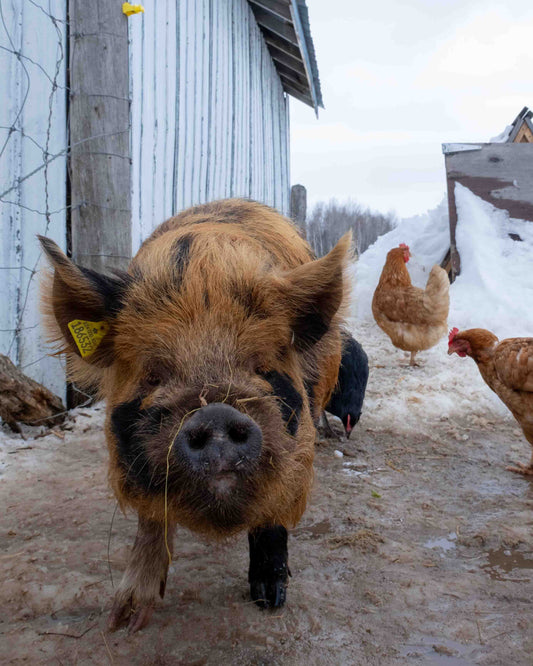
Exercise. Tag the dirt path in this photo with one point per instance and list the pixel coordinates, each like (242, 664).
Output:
(414, 550)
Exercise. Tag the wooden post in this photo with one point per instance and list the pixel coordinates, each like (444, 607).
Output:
(99, 164)
(299, 207)
(455, 259)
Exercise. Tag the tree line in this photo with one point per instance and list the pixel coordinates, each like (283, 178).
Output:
(328, 221)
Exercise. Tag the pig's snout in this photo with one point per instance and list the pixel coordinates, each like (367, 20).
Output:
(219, 441)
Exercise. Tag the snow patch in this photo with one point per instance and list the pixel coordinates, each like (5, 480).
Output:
(495, 288)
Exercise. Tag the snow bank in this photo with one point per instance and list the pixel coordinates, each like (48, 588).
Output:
(428, 239)
(495, 288)
(494, 291)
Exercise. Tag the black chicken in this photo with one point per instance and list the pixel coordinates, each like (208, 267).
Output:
(346, 401)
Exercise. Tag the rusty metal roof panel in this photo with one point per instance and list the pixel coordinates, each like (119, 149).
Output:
(287, 33)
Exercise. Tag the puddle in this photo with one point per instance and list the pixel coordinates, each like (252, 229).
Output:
(438, 651)
(355, 468)
(354, 472)
(506, 560)
(444, 543)
(72, 616)
(316, 529)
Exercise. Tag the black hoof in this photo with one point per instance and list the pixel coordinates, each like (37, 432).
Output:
(270, 593)
(269, 570)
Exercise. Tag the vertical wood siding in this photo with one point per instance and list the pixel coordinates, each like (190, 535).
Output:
(32, 132)
(209, 116)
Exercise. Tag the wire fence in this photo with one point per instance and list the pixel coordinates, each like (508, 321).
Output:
(194, 132)
(34, 171)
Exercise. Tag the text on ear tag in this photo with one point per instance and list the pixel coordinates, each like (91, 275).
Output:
(87, 334)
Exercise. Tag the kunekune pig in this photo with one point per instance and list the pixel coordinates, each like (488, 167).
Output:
(217, 351)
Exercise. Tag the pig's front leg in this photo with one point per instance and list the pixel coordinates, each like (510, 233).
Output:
(269, 567)
(145, 577)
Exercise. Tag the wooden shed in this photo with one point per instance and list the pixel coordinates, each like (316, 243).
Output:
(113, 123)
(500, 172)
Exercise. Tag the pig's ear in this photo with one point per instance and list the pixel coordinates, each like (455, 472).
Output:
(315, 291)
(80, 305)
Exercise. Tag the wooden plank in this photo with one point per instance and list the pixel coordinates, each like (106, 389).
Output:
(290, 75)
(299, 207)
(275, 25)
(524, 134)
(284, 153)
(281, 57)
(136, 32)
(294, 92)
(204, 101)
(282, 45)
(99, 135)
(276, 7)
(195, 72)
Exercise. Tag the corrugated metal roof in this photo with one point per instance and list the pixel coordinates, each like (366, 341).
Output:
(286, 30)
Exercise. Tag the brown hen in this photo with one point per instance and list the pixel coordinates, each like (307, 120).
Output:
(414, 319)
(507, 368)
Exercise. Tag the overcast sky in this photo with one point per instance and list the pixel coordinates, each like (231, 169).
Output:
(398, 80)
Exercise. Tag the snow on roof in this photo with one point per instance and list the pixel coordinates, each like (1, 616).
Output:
(503, 137)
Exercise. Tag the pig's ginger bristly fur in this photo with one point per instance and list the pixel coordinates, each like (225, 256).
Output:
(231, 280)
(221, 347)
(415, 319)
(506, 366)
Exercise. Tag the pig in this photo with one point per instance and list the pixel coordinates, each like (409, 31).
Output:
(216, 352)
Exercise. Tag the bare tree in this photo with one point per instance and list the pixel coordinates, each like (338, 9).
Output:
(328, 221)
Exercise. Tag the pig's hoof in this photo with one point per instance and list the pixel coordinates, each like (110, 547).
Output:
(123, 612)
(270, 591)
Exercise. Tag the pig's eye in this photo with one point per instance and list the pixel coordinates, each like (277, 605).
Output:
(153, 380)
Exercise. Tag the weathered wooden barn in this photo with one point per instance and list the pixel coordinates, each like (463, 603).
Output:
(110, 124)
(500, 172)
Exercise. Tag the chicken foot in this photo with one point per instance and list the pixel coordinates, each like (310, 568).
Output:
(520, 468)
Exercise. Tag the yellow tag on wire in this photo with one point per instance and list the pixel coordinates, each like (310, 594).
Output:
(88, 334)
(129, 9)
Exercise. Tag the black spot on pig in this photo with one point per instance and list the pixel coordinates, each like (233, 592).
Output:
(111, 288)
(181, 249)
(290, 401)
(131, 425)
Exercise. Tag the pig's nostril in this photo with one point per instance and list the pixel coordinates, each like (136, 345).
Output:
(239, 432)
(198, 438)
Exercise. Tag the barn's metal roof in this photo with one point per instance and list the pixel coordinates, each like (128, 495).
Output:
(285, 28)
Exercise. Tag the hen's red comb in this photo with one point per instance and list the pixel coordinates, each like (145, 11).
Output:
(404, 246)
(452, 335)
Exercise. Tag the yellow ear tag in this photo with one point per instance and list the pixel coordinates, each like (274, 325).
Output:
(88, 334)
(130, 9)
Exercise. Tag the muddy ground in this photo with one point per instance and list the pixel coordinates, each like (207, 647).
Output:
(416, 548)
